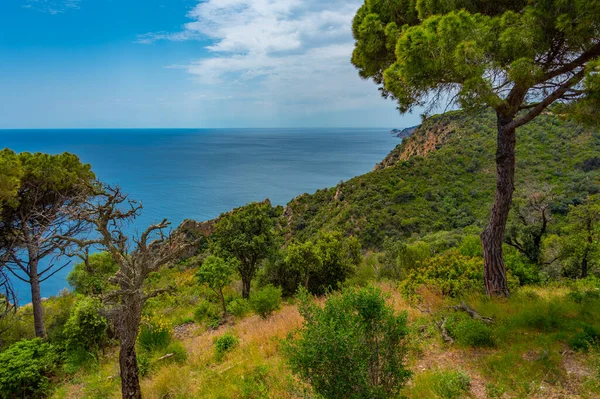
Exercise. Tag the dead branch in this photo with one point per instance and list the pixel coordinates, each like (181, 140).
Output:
(442, 326)
(474, 315)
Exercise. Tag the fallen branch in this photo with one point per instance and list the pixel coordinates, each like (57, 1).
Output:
(474, 315)
(168, 355)
(442, 326)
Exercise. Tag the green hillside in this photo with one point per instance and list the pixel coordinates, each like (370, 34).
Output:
(442, 178)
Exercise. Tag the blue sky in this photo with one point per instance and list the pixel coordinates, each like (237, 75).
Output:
(184, 63)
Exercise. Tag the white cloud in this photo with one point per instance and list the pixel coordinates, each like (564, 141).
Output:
(287, 55)
(52, 6)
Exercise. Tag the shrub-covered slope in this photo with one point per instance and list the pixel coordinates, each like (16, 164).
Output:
(442, 178)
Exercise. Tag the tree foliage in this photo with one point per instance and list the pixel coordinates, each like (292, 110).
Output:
(35, 221)
(480, 50)
(247, 234)
(91, 277)
(580, 249)
(217, 274)
(317, 265)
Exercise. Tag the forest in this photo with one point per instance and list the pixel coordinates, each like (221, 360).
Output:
(466, 264)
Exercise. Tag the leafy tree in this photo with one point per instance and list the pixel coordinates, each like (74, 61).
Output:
(400, 258)
(515, 56)
(34, 222)
(25, 368)
(339, 258)
(529, 225)
(217, 273)
(580, 249)
(91, 276)
(304, 259)
(352, 348)
(266, 301)
(247, 234)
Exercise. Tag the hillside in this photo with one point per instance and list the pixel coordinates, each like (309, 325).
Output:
(442, 178)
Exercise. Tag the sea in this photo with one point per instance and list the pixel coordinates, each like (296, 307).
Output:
(200, 173)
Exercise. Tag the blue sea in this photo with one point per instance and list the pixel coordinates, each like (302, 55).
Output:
(200, 173)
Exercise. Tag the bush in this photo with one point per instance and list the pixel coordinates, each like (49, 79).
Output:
(178, 351)
(266, 301)
(86, 328)
(79, 358)
(154, 334)
(584, 340)
(254, 384)
(238, 308)
(400, 258)
(25, 368)
(225, 343)
(470, 332)
(144, 364)
(451, 384)
(341, 345)
(207, 312)
(542, 315)
(452, 273)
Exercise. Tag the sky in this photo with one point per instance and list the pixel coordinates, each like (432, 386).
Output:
(184, 63)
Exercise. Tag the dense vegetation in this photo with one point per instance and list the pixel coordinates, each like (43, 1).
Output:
(442, 179)
(400, 243)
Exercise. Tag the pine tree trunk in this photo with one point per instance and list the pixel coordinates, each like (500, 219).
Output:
(36, 301)
(493, 236)
(129, 323)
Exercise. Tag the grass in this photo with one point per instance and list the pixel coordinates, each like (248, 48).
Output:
(530, 356)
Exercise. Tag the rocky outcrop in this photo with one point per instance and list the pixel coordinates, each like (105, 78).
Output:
(404, 133)
(423, 140)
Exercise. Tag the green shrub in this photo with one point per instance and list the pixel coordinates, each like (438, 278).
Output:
(144, 364)
(25, 368)
(154, 334)
(584, 340)
(85, 330)
(584, 296)
(451, 384)
(78, 358)
(207, 312)
(238, 308)
(469, 332)
(254, 384)
(178, 351)
(400, 258)
(92, 278)
(542, 315)
(341, 344)
(266, 301)
(225, 343)
(452, 273)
